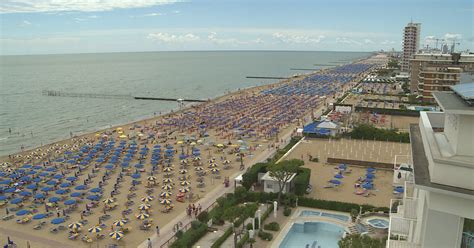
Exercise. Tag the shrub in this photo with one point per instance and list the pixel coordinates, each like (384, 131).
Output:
(369, 132)
(302, 181)
(265, 235)
(222, 238)
(315, 160)
(203, 216)
(361, 241)
(249, 226)
(273, 226)
(243, 240)
(287, 212)
(191, 236)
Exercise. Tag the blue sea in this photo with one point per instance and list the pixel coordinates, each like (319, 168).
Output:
(35, 119)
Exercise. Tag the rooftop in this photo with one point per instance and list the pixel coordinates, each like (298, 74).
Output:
(452, 103)
(465, 91)
(420, 167)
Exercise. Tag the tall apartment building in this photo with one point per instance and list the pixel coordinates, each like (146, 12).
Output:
(438, 201)
(411, 43)
(434, 66)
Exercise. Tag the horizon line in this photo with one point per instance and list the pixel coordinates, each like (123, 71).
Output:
(216, 50)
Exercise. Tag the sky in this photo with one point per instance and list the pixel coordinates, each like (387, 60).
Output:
(92, 26)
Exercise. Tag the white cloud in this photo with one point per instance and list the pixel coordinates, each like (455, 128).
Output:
(298, 39)
(345, 40)
(154, 14)
(213, 37)
(25, 23)
(368, 41)
(172, 38)
(387, 42)
(450, 36)
(177, 11)
(30, 6)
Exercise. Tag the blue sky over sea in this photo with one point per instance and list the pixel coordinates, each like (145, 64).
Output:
(88, 26)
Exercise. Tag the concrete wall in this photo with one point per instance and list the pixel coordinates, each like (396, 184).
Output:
(442, 230)
(361, 163)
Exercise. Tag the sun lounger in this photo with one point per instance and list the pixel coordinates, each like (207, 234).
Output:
(53, 230)
(86, 239)
(8, 217)
(73, 236)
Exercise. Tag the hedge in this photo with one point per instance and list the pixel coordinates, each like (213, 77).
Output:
(191, 236)
(222, 238)
(243, 240)
(302, 180)
(251, 176)
(386, 111)
(370, 132)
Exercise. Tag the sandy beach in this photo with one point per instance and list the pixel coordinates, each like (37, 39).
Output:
(133, 174)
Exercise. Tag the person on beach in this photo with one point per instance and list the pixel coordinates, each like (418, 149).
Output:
(149, 243)
(157, 230)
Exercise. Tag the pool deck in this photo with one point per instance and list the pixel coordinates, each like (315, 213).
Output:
(296, 218)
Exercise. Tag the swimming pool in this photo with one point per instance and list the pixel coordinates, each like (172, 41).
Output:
(313, 235)
(378, 223)
(341, 217)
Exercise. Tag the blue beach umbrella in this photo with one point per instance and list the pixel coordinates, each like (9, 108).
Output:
(6, 181)
(22, 212)
(70, 202)
(139, 166)
(57, 221)
(44, 174)
(370, 170)
(93, 197)
(37, 180)
(26, 166)
(16, 200)
(71, 179)
(80, 187)
(96, 190)
(3, 197)
(61, 191)
(50, 169)
(39, 196)
(39, 216)
(54, 199)
(370, 175)
(338, 176)
(399, 189)
(64, 185)
(367, 186)
(334, 181)
(109, 166)
(52, 182)
(10, 190)
(58, 176)
(25, 193)
(342, 166)
(76, 194)
(136, 175)
(45, 189)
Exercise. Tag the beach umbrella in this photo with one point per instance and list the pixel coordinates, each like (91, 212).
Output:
(197, 158)
(165, 194)
(10, 190)
(39, 196)
(76, 194)
(167, 187)
(71, 178)
(136, 175)
(57, 221)
(52, 182)
(184, 190)
(70, 202)
(61, 191)
(399, 189)
(214, 170)
(58, 176)
(6, 181)
(3, 197)
(65, 185)
(168, 169)
(39, 216)
(199, 168)
(119, 223)
(370, 170)
(167, 180)
(142, 216)
(50, 169)
(45, 189)
(342, 166)
(335, 181)
(147, 199)
(165, 201)
(54, 199)
(116, 235)
(80, 187)
(370, 175)
(338, 176)
(183, 171)
(16, 201)
(139, 166)
(123, 136)
(151, 178)
(109, 166)
(108, 200)
(95, 190)
(22, 212)
(25, 193)
(185, 183)
(93, 197)
(95, 230)
(143, 207)
(213, 165)
(367, 186)
(32, 186)
(75, 226)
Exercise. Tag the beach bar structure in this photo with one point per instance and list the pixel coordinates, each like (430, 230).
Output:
(270, 184)
(321, 128)
(438, 204)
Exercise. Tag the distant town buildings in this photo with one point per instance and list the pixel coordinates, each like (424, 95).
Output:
(436, 72)
(438, 202)
(411, 43)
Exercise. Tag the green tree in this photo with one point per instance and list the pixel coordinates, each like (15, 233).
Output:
(283, 171)
(361, 241)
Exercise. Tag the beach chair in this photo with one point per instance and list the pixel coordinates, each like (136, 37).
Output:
(86, 239)
(8, 217)
(73, 236)
(53, 230)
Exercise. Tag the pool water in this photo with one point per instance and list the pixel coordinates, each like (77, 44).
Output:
(341, 217)
(379, 223)
(313, 235)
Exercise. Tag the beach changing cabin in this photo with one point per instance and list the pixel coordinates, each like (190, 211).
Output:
(270, 184)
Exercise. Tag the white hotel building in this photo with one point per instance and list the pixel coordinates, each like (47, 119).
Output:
(440, 195)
